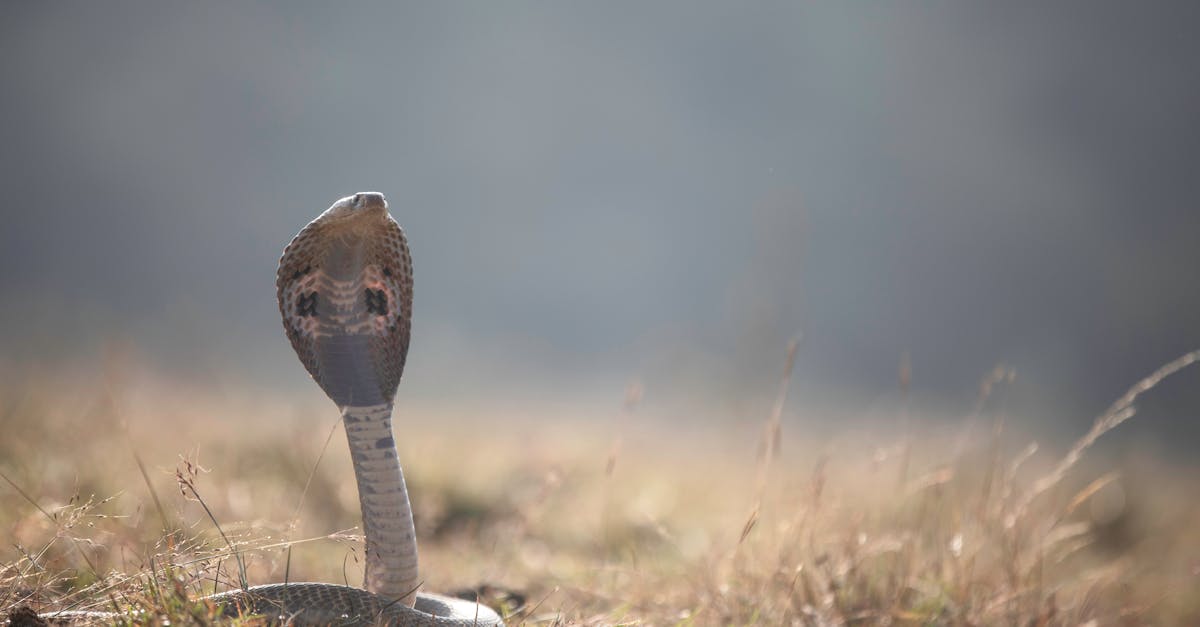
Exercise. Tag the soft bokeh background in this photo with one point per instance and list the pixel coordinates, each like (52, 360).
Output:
(612, 192)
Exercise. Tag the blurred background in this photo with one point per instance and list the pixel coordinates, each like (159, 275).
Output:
(662, 193)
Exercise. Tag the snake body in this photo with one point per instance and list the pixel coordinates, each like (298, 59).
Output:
(345, 293)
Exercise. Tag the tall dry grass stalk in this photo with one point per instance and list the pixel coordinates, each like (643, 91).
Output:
(1121, 410)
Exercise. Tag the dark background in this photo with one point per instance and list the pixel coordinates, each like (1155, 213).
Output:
(596, 193)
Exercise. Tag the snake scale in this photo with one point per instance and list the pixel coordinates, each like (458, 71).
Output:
(345, 293)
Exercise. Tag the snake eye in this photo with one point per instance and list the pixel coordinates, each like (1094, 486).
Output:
(357, 199)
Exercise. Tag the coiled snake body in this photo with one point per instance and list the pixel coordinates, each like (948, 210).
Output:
(345, 293)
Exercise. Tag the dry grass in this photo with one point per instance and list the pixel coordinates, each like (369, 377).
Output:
(588, 521)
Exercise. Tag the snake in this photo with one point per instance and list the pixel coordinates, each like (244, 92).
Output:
(344, 286)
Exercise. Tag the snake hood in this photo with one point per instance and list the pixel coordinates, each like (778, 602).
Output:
(345, 294)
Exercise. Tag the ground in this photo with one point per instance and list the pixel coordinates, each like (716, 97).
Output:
(126, 494)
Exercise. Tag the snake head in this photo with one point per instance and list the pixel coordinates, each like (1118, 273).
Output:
(358, 205)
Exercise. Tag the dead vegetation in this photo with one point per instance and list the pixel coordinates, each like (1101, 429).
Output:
(135, 497)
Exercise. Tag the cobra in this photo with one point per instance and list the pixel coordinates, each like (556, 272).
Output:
(344, 286)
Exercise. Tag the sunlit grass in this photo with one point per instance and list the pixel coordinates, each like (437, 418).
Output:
(565, 520)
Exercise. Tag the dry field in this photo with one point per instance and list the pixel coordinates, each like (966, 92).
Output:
(125, 492)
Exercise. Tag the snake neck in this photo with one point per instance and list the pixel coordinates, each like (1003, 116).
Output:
(391, 541)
